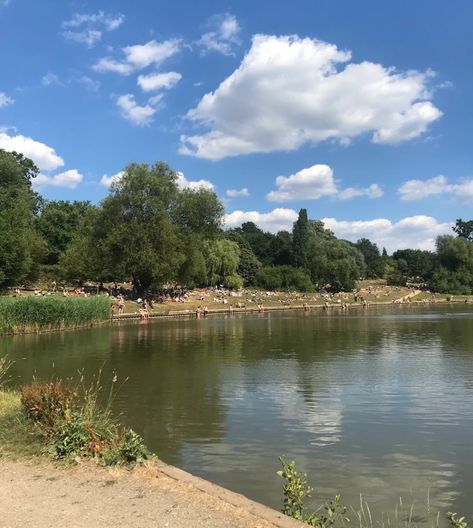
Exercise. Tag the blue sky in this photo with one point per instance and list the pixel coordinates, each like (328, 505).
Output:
(359, 111)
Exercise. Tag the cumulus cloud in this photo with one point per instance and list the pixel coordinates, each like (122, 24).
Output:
(140, 56)
(308, 184)
(69, 179)
(276, 220)
(5, 100)
(224, 36)
(88, 28)
(411, 232)
(290, 91)
(158, 81)
(107, 181)
(439, 185)
(235, 193)
(138, 115)
(314, 182)
(184, 183)
(44, 156)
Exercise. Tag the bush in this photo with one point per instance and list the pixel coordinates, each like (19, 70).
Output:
(72, 424)
(284, 278)
(127, 447)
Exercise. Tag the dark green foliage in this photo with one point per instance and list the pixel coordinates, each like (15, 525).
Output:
(58, 224)
(415, 263)
(464, 229)
(258, 240)
(21, 247)
(396, 272)
(335, 264)
(454, 273)
(300, 240)
(373, 260)
(284, 278)
(248, 264)
(280, 249)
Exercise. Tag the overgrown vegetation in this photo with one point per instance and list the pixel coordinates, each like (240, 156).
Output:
(72, 424)
(32, 314)
(66, 422)
(333, 514)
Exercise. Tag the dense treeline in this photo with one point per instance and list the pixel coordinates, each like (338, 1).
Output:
(152, 232)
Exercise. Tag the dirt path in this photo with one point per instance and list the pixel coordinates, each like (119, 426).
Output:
(36, 495)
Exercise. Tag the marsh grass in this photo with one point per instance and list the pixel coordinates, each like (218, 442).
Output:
(39, 314)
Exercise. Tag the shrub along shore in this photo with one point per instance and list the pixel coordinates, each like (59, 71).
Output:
(31, 314)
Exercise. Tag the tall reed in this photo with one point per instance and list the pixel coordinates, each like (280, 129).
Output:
(36, 314)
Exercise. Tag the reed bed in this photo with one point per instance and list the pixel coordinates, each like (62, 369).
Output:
(40, 314)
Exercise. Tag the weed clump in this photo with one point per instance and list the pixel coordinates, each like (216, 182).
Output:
(73, 425)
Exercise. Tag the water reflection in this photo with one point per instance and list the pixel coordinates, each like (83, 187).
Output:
(378, 403)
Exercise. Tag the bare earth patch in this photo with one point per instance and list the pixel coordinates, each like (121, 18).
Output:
(40, 495)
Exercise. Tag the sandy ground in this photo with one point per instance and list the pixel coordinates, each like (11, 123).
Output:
(36, 495)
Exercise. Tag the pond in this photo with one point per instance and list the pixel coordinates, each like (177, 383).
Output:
(378, 404)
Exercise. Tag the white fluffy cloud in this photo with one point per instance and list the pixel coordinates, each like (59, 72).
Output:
(139, 115)
(314, 182)
(44, 156)
(88, 28)
(439, 185)
(69, 179)
(140, 56)
(308, 184)
(5, 100)
(290, 91)
(276, 220)
(184, 183)
(411, 232)
(107, 181)
(158, 81)
(224, 36)
(235, 193)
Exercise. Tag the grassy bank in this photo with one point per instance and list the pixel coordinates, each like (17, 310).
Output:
(39, 314)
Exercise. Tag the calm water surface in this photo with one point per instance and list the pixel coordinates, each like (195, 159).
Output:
(379, 404)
